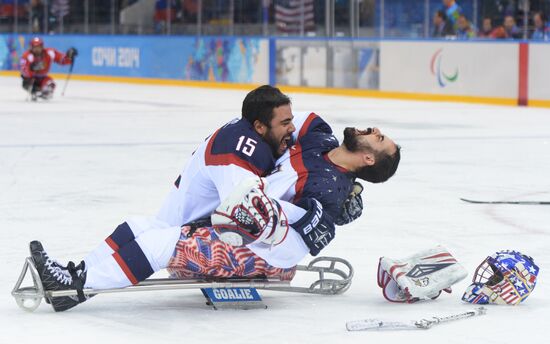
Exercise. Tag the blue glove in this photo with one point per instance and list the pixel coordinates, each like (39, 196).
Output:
(316, 227)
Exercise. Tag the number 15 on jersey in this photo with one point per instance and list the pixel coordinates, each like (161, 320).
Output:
(246, 145)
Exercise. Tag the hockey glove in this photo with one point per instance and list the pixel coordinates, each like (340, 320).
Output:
(316, 227)
(352, 207)
(422, 276)
(72, 53)
(248, 215)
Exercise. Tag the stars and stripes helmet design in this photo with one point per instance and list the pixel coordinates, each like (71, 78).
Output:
(505, 278)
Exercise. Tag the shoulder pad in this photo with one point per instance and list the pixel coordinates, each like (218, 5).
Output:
(314, 123)
(318, 141)
(237, 143)
(50, 52)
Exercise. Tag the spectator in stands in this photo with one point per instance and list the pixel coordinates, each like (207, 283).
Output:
(190, 9)
(488, 31)
(465, 30)
(453, 11)
(486, 28)
(37, 15)
(511, 29)
(541, 31)
(442, 27)
(165, 10)
(9, 9)
(59, 9)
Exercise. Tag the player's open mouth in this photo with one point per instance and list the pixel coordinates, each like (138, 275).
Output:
(367, 131)
(284, 143)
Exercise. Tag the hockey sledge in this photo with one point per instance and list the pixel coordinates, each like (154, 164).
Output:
(334, 277)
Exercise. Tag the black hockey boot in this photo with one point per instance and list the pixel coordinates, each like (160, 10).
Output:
(36, 246)
(56, 277)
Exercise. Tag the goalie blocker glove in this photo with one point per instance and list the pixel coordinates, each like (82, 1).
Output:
(316, 227)
(422, 276)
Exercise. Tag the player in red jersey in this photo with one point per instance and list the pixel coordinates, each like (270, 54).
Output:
(35, 65)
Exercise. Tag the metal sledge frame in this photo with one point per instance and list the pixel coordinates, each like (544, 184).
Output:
(29, 298)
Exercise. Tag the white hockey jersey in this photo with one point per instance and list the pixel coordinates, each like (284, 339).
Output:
(236, 152)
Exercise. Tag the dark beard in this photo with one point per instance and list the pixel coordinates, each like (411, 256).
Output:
(350, 140)
(352, 143)
(274, 145)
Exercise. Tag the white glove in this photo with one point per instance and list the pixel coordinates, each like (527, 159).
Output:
(248, 215)
(421, 276)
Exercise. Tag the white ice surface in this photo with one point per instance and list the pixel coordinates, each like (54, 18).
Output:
(73, 168)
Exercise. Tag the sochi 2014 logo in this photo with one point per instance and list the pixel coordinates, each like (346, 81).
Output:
(436, 67)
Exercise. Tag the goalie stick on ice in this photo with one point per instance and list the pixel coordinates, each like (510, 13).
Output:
(422, 324)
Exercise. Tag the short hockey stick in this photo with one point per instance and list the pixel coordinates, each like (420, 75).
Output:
(424, 324)
(68, 77)
(506, 202)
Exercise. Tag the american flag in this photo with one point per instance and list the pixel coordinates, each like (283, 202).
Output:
(294, 16)
(204, 255)
(60, 8)
(507, 292)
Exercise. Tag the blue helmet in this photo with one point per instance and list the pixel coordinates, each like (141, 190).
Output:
(505, 278)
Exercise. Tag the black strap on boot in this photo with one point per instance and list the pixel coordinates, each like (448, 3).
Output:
(78, 279)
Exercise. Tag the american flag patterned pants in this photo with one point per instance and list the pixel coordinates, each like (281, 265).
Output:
(204, 255)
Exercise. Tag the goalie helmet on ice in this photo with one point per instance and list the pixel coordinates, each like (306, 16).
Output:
(505, 278)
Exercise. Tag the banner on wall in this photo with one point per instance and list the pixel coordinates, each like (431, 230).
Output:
(454, 68)
(317, 63)
(539, 73)
(11, 49)
(217, 59)
(478, 69)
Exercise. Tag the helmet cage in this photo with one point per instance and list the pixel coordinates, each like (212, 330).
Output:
(487, 273)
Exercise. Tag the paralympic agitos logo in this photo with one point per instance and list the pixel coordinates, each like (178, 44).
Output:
(438, 71)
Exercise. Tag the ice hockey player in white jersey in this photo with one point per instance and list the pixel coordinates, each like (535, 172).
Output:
(316, 173)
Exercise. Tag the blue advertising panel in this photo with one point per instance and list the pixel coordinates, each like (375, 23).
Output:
(220, 59)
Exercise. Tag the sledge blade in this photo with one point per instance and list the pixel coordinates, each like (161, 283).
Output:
(28, 298)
